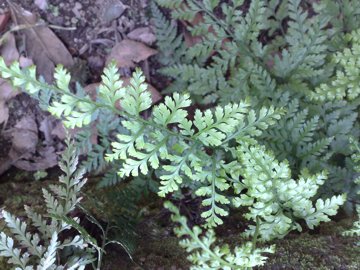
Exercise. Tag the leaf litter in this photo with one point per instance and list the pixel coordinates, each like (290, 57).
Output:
(41, 44)
(44, 49)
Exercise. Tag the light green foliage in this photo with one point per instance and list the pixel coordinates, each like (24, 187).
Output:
(204, 254)
(143, 143)
(346, 83)
(277, 199)
(355, 230)
(41, 245)
(276, 53)
(205, 153)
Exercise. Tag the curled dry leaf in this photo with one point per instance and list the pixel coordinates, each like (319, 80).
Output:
(142, 34)
(10, 53)
(8, 49)
(129, 52)
(4, 18)
(4, 112)
(42, 45)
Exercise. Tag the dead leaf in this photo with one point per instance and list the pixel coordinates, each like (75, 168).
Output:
(59, 131)
(25, 136)
(6, 91)
(111, 10)
(4, 18)
(129, 52)
(42, 45)
(4, 112)
(42, 4)
(45, 128)
(142, 34)
(47, 158)
(8, 49)
(25, 62)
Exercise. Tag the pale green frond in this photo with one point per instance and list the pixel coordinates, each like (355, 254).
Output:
(204, 254)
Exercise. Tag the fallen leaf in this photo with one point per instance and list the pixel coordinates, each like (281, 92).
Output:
(129, 52)
(47, 159)
(4, 112)
(142, 34)
(25, 136)
(42, 4)
(8, 49)
(42, 45)
(4, 18)
(45, 128)
(6, 91)
(111, 10)
(59, 130)
(25, 62)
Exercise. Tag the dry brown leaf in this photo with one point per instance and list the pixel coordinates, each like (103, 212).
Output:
(25, 62)
(4, 112)
(4, 18)
(59, 131)
(142, 34)
(111, 9)
(129, 52)
(25, 136)
(47, 159)
(6, 91)
(42, 45)
(8, 49)
(42, 4)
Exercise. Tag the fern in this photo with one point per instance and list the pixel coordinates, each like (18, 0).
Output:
(308, 66)
(355, 230)
(209, 153)
(41, 249)
(346, 82)
(172, 48)
(204, 253)
(275, 198)
(294, 139)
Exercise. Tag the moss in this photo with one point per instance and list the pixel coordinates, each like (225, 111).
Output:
(325, 250)
(3, 264)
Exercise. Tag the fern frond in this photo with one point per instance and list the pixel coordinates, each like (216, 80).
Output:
(171, 44)
(346, 82)
(273, 196)
(204, 254)
(41, 244)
